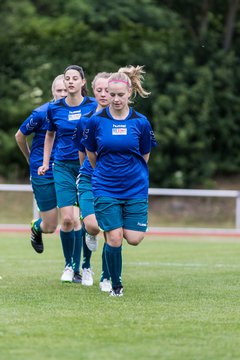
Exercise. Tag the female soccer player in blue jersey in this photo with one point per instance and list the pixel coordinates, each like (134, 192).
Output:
(63, 116)
(84, 184)
(118, 141)
(43, 187)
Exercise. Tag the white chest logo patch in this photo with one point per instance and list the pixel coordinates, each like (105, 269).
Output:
(74, 115)
(119, 131)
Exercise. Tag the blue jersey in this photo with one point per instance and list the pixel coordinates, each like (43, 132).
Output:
(121, 171)
(63, 119)
(37, 123)
(86, 167)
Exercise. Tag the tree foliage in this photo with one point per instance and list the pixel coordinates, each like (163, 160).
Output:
(191, 55)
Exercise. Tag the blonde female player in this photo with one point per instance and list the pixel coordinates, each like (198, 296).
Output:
(118, 140)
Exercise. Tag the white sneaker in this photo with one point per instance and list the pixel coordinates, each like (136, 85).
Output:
(67, 274)
(105, 285)
(87, 277)
(91, 242)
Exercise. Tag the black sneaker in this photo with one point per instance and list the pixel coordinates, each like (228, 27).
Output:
(116, 291)
(77, 277)
(36, 239)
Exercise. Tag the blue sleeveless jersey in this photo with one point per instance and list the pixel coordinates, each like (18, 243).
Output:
(121, 171)
(37, 124)
(63, 119)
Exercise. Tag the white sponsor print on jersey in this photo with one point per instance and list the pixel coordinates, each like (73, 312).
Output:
(74, 115)
(119, 131)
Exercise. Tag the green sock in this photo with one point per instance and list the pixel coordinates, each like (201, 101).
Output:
(67, 239)
(77, 250)
(105, 272)
(86, 254)
(114, 263)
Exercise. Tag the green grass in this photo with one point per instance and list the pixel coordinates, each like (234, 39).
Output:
(181, 301)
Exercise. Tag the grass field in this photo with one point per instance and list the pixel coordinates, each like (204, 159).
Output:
(181, 301)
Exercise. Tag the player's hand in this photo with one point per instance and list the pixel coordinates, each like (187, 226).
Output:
(43, 169)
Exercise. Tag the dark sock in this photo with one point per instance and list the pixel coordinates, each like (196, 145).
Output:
(68, 240)
(86, 254)
(77, 250)
(36, 225)
(105, 272)
(114, 263)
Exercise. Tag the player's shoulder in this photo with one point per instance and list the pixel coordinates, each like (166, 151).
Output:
(84, 119)
(135, 115)
(55, 104)
(88, 104)
(41, 110)
(42, 107)
(54, 107)
(88, 100)
(88, 115)
(98, 116)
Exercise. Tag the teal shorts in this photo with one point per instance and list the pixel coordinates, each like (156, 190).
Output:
(65, 175)
(44, 192)
(129, 214)
(85, 195)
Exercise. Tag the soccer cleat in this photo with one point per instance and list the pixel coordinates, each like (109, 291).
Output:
(77, 277)
(87, 277)
(105, 285)
(36, 239)
(91, 242)
(67, 275)
(116, 291)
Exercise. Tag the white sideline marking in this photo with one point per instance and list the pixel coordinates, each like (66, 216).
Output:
(173, 264)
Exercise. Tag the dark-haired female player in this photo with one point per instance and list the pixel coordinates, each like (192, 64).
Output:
(63, 117)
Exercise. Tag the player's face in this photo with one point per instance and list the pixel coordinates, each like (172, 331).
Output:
(119, 94)
(101, 92)
(59, 90)
(73, 81)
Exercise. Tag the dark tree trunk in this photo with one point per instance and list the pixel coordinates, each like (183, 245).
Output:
(230, 22)
(204, 22)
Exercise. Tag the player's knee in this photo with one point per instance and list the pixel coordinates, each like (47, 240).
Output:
(134, 241)
(114, 240)
(67, 222)
(50, 228)
(92, 229)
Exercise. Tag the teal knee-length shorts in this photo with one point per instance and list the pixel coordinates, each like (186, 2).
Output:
(65, 175)
(85, 195)
(44, 192)
(131, 214)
